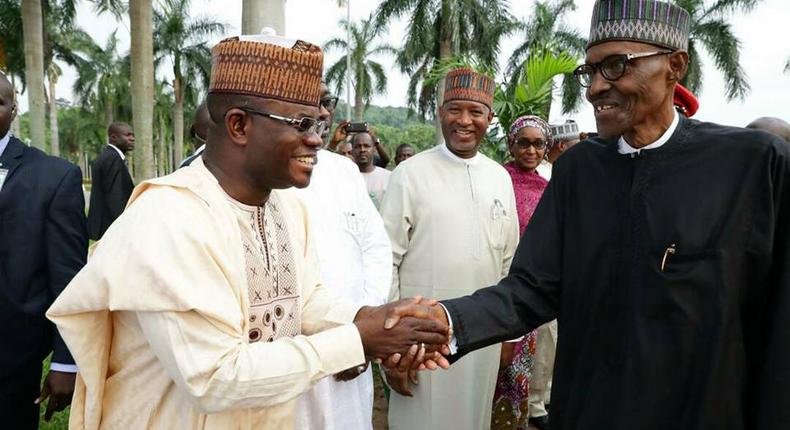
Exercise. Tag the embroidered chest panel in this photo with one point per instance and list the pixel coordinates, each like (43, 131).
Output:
(271, 277)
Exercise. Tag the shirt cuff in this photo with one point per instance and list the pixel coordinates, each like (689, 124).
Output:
(453, 341)
(66, 368)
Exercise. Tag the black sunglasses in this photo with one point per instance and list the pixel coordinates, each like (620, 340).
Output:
(612, 67)
(526, 143)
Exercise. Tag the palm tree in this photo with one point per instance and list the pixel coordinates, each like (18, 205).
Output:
(182, 41)
(709, 29)
(163, 121)
(103, 79)
(546, 33)
(369, 76)
(257, 14)
(62, 42)
(142, 66)
(439, 30)
(33, 30)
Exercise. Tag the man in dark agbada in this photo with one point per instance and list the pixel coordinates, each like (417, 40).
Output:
(663, 248)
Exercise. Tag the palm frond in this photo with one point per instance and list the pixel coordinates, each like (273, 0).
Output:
(721, 43)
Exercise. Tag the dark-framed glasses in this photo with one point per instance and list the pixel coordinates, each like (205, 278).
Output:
(612, 67)
(329, 102)
(303, 125)
(525, 143)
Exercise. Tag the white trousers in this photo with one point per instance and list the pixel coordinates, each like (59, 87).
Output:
(543, 367)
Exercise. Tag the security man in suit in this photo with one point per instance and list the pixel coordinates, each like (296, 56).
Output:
(43, 244)
(112, 183)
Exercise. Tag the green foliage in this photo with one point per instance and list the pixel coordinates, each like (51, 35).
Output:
(103, 80)
(12, 39)
(394, 126)
(439, 29)
(80, 131)
(710, 29)
(419, 135)
(181, 39)
(533, 89)
(528, 96)
(368, 76)
(545, 33)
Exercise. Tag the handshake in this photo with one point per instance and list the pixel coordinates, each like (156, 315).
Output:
(405, 337)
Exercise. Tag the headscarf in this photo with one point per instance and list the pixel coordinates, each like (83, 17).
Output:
(531, 121)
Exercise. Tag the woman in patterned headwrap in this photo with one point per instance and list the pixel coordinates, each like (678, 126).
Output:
(529, 140)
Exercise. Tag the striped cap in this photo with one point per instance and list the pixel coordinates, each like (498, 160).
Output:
(567, 131)
(466, 84)
(648, 21)
(278, 68)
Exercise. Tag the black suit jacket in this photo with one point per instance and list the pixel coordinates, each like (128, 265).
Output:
(43, 244)
(111, 187)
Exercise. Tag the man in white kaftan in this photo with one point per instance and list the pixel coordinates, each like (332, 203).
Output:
(356, 264)
(451, 216)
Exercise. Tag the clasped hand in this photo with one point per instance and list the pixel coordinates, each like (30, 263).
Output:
(407, 335)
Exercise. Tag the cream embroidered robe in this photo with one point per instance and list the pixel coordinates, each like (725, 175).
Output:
(159, 320)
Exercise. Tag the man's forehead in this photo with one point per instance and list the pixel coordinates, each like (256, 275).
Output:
(469, 104)
(617, 47)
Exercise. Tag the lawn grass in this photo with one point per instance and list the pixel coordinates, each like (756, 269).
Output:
(60, 420)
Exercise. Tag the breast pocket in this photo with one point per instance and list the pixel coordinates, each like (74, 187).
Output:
(685, 287)
(499, 224)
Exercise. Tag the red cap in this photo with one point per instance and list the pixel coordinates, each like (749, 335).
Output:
(685, 101)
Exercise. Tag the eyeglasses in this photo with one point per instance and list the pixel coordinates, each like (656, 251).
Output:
(303, 125)
(612, 67)
(329, 102)
(526, 143)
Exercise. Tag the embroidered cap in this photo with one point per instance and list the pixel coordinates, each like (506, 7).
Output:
(267, 66)
(466, 84)
(648, 21)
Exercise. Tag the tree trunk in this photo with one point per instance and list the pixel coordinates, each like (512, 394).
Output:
(53, 115)
(15, 127)
(257, 14)
(32, 27)
(109, 117)
(178, 122)
(445, 52)
(162, 149)
(140, 16)
(359, 103)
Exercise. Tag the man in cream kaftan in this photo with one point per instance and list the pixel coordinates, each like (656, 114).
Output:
(171, 318)
(453, 225)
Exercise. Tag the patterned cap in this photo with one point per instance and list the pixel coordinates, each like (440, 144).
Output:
(567, 131)
(269, 67)
(647, 21)
(525, 121)
(466, 84)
